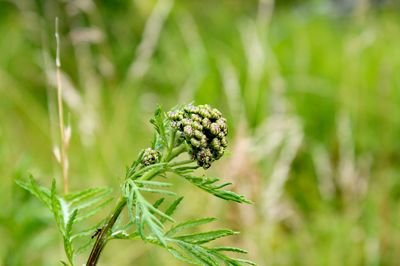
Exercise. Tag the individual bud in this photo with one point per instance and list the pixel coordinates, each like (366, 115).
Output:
(222, 124)
(203, 142)
(188, 130)
(206, 122)
(197, 125)
(186, 122)
(175, 124)
(205, 113)
(220, 152)
(216, 144)
(175, 115)
(195, 142)
(216, 113)
(198, 134)
(191, 108)
(214, 129)
(224, 142)
(195, 117)
(150, 156)
(204, 158)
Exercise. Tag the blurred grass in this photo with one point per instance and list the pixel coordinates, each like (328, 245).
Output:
(312, 96)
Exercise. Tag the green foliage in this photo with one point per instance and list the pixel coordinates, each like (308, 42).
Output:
(310, 62)
(70, 209)
(189, 247)
(210, 186)
(146, 220)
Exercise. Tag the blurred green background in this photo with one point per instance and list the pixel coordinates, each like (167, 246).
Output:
(311, 90)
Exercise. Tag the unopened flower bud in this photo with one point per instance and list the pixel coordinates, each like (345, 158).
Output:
(150, 156)
(204, 129)
(214, 129)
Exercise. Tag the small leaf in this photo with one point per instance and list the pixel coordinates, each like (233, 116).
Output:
(171, 209)
(153, 183)
(189, 224)
(201, 238)
(181, 257)
(158, 191)
(158, 202)
(32, 186)
(71, 220)
(198, 253)
(94, 211)
(230, 249)
(209, 185)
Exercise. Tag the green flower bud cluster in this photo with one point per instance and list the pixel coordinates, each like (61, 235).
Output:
(204, 130)
(150, 156)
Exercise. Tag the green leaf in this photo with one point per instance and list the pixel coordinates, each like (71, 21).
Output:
(181, 257)
(198, 253)
(56, 208)
(158, 191)
(87, 197)
(158, 123)
(95, 210)
(230, 249)
(210, 186)
(171, 209)
(201, 238)
(158, 202)
(134, 165)
(32, 186)
(70, 223)
(189, 224)
(153, 183)
(145, 213)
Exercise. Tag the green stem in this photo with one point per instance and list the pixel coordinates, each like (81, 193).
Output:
(176, 152)
(102, 237)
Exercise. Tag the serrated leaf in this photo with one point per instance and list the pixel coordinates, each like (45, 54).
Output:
(190, 224)
(201, 238)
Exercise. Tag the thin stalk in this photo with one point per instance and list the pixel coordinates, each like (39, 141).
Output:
(176, 152)
(63, 158)
(102, 237)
